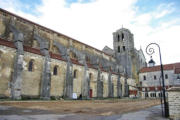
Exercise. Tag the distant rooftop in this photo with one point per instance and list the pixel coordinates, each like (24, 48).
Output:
(173, 66)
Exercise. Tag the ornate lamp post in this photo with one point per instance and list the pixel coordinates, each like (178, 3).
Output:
(150, 50)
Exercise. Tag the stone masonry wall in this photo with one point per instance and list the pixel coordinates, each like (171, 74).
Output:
(174, 102)
(31, 79)
(7, 56)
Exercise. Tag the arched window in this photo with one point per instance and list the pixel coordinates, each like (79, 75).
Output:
(30, 67)
(118, 38)
(144, 77)
(75, 73)
(118, 49)
(154, 77)
(55, 70)
(124, 48)
(122, 36)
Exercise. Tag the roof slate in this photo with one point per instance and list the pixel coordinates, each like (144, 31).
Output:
(174, 66)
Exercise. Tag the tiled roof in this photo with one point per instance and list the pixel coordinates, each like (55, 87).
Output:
(173, 66)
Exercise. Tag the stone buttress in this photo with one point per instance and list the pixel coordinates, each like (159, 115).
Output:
(16, 83)
(46, 73)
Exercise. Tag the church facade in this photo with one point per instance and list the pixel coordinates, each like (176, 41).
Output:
(37, 62)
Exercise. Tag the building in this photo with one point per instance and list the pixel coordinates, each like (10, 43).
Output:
(37, 62)
(151, 82)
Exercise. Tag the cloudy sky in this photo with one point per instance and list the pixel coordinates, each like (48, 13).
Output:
(93, 21)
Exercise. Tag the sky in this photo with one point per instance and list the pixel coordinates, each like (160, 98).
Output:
(93, 21)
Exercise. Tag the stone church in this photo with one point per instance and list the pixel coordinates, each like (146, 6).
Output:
(37, 62)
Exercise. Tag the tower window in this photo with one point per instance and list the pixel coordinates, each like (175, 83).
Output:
(55, 70)
(30, 67)
(118, 49)
(124, 48)
(122, 36)
(118, 38)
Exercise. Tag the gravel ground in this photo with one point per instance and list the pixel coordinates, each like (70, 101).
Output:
(81, 110)
(92, 107)
(152, 113)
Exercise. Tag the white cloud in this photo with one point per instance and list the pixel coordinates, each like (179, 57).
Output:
(163, 9)
(93, 23)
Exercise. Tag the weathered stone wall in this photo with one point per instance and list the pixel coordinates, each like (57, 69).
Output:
(7, 56)
(122, 79)
(114, 81)
(78, 80)
(57, 81)
(104, 78)
(2, 25)
(93, 81)
(174, 102)
(32, 79)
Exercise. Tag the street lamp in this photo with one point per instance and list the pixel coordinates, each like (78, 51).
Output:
(150, 50)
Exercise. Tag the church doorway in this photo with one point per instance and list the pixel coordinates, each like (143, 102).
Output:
(90, 93)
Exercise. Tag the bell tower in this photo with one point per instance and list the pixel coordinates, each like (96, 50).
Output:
(123, 41)
(123, 44)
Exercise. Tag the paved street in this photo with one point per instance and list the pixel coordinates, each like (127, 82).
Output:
(12, 113)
